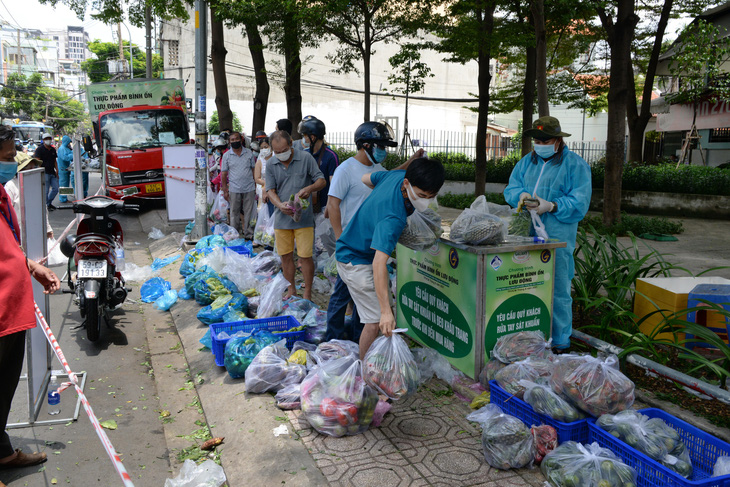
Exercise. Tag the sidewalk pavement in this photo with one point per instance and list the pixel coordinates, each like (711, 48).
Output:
(424, 440)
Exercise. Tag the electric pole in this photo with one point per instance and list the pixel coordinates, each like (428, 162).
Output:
(200, 229)
(20, 54)
(119, 37)
(148, 39)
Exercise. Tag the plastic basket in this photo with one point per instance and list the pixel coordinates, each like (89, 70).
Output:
(278, 323)
(704, 449)
(575, 431)
(240, 249)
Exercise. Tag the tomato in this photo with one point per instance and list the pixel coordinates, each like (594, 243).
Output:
(328, 407)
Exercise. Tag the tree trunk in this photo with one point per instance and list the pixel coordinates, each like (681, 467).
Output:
(218, 60)
(148, 39)
(261, 98)
(528, 99)
(620, 35)
(366, 70)
(485, 16)
(537, 7)
(293, 74)
(638, 119)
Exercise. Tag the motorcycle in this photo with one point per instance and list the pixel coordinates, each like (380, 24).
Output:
(99, 285)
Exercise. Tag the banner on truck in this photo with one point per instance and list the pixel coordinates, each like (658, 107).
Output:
(124, 94)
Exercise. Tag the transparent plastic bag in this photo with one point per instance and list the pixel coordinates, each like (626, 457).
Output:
(530, 369)
(55, 256)
(330, 268)
(153, 289)
(545, 401)
(165, 302)
(287, 398)
(208, 474)
(219, 209)
(489, 371)
(215, 259)
(297, 307)
(422, 230)
(132, 272)
(518, 346)
(226, 231)
(430, 363)
(266, 263)
(520, 224)
(316, 321)
(324, 237)
(538, 225)
(271, 302)
(651, 436)
(155, 234)
(270, 371)
(241, 350)
(298, 206)
(263, 233)
(506, 441)
(722, 467)
(335, 349)
(389, 366)
(476, 228)
(594, 384)
(336, 399)
(581, 465)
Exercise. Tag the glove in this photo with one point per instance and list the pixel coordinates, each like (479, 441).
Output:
(523, 196)
(544, 206)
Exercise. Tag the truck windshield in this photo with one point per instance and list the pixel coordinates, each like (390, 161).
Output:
(144, 128)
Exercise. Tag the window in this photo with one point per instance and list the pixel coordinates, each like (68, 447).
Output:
(720, 135)
(172, 53)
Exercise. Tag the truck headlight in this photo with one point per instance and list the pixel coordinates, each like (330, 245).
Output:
(113, 176)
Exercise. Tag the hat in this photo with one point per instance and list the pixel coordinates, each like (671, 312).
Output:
(46, 135)
(24, 159)
(546, 128)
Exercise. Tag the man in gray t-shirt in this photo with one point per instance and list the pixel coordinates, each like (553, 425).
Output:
(288, 174)
(238, 185)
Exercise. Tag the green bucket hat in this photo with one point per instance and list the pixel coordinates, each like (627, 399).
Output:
(546, 128)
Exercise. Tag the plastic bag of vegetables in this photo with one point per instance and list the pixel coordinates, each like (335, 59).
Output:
(240, 351)
(651, 436)
(520, 345)
(216, 311)
(476, 228)
(722, 467)
(506, 441)
(288, 397)
(422, 230)
(336, 400)
(271, 299)
(316, 321)
(335, 349)
(330, 268)
(297, 206)
(389, 366)
(489, 371)
(593, 384)
(266, 263)
(263, 232)
(270, 371)
(546, 440)
(545, 401)
(576, 465)
(531, 369)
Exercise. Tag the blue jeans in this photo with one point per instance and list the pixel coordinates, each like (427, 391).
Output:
(336, 328)
(51, 188)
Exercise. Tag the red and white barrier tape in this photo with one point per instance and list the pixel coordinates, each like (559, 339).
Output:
(177, 167)
(113, 456)
(58, 241)
(179, 179)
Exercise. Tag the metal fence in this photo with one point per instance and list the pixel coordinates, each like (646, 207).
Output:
(464, 143)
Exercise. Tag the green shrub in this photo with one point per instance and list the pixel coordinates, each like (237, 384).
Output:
(634, 224)
(670, 179)
(461, 201)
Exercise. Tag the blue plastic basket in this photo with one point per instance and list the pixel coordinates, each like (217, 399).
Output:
(704, 449)
(575, 431)
(278, 323)
(240, 249)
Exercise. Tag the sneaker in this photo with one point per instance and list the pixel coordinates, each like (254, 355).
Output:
(51, 207)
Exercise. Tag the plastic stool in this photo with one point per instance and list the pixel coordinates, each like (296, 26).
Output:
(713, 293)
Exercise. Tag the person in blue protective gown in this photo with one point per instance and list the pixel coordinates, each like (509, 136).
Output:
(556, 182)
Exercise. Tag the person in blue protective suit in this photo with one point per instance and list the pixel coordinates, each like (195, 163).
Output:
(66, 168)
(556, 182)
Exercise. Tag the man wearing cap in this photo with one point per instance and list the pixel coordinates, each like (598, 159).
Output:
(25, 163)
(47, 154)
(556, 183)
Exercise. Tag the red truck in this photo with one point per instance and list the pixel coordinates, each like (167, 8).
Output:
(135, 119)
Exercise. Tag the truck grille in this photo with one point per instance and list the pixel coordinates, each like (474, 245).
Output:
(138, 177)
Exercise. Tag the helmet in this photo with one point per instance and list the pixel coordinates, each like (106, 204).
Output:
(18, 145)
(261, 135)
(67, 246)
(220, 142)
(311, 126)
(377, 132)
(224, 135)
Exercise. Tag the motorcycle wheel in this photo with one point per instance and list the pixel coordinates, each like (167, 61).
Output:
(93, 319)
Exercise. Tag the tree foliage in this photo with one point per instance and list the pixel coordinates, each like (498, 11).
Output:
(113, 11)
(26, 97)
(98, 70)
(214, 125)
(408, 73)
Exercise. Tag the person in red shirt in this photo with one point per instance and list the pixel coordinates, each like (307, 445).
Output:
(17, 312)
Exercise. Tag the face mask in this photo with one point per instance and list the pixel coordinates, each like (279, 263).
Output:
(47, 143)
(545, 151)
(420, 204)
(305, 142)
(8, 170)
(266, 152)
(255, 155)
(379, 154)
(236, 145)
(284, 156)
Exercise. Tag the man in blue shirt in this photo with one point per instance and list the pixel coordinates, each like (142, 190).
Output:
(312, 131)
(370, 238)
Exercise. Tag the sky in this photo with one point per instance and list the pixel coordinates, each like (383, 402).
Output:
(33, 15)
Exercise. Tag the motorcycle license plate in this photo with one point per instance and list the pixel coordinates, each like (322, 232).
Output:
(91, 269)
(153, 188)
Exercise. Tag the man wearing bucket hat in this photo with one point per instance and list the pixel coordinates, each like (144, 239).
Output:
(25, 163)
(556, 183)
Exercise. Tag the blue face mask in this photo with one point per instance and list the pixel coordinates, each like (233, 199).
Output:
(545, 151)
(379, 154)
(8, 170)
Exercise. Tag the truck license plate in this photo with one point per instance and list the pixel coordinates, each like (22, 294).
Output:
(91, 269)
(153, 188)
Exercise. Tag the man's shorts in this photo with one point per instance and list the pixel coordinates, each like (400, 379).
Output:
(360, 283)
(303, 236)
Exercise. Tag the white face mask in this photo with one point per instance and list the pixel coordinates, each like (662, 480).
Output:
(420, 204)
(284, 156)
(305, 142)
(47, 142)
(266, 152)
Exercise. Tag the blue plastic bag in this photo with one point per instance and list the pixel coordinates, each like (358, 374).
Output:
(210, 241)
(188, 265)
(239, 242)
(241, 351)
(153, 289)
(203, 273)
(165, 302)
(235, 315)
(158, 264)
(189, 228)
(207, 341)
(215, 312)
(183, 293)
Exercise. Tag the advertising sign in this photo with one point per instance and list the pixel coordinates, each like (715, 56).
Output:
(124, 94)
(519, 294)
(436, 299)
(710, 115)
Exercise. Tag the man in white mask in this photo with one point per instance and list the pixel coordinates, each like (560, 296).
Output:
(293, 175)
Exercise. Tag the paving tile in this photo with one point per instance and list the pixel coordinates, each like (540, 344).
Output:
(367, 471)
